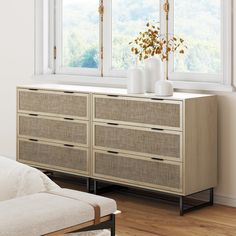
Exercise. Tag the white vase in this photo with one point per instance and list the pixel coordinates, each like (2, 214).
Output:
(153, 73)
(136, 82)
(164, 88)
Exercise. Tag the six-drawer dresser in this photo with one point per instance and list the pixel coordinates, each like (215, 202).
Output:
(162, 144)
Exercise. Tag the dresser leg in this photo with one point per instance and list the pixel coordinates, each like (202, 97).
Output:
(212, 196)
(185, 208)
(95, 186)
(89, 185)
(181, 205)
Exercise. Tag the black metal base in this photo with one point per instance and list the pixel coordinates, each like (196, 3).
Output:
(110, 224)
(186, 208)
(104, 189)
(89, 190)
(186, 203)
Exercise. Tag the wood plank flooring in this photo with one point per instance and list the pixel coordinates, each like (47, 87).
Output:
(143, 216)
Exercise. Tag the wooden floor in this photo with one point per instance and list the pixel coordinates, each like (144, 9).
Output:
(143, 216)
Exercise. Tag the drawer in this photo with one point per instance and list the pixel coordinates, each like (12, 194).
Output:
(62, 104)
(138, 141)
(138, 171)
(145, 112)
(53, 156)
(53, 129)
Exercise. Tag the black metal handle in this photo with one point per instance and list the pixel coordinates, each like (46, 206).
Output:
(68, 92)
(157, 159)
(32, 89)
(68, 119)
(111, 95)
(112, 124)
(157, 129)
(157, 99)
(33, 114)
(68, 145)
(33, 140)
(112, 152)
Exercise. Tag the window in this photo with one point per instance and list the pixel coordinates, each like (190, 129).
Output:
(200, 24)
(128, 18)
(80, 34)
(91, 37)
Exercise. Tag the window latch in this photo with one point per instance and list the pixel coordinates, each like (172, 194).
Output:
(55, 52)
(101, 9)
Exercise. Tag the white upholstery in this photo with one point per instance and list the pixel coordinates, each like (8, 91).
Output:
(107, 205)
(32, 205)
(18, 180)
(42, 213)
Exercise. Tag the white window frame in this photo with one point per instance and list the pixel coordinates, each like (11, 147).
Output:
(45, 65)
(59, 68)
(226, 51)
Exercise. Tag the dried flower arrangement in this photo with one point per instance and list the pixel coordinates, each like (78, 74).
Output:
(151, 42)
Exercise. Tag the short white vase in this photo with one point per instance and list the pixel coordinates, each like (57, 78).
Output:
(164, 88)
(136, 82)
(153, 73)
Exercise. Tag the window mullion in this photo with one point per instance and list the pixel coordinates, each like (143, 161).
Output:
(101, 36)
(58, 35)
(171, 31)
(107, 37)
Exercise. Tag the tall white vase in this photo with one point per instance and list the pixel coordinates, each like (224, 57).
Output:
(153, 73)
(136, 82)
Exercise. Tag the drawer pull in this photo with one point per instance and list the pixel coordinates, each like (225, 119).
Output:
(157, 99)
(112, 124)
(110, 95)
(33, 115)
(31, 89)
(33, 140)
(68, 119)
(112, 152)
(68, 92)
(157, 159)
(68, 145)
(157, 129)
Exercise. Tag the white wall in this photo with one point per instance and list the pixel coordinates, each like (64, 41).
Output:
(16, 64)
(16, 67)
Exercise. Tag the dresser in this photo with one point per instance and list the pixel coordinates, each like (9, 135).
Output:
(167, 144)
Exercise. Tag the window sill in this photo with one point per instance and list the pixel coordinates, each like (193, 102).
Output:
(122, 83)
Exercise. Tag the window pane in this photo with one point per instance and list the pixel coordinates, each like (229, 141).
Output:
(129, 17)
(199, 23)
(80, 33)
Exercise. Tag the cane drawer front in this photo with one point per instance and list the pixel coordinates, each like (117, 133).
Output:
(144, 112)
(139, 141)
(55, 156)
(62, 104)
(54, 129)
(138, 171)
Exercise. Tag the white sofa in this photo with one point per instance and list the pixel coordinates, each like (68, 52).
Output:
(32, 205)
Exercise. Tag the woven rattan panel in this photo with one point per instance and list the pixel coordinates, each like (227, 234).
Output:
(54, 156)
(157, 143)
(64, 131)
(52, 103)
(156, 173)
(153, 113)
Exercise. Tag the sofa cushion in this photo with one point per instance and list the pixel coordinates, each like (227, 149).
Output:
(18, 180)
(107, 205)
(43, 213)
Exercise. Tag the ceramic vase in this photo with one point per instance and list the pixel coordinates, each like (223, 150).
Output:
(136, 82)
(164, 88)
(153, 73)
